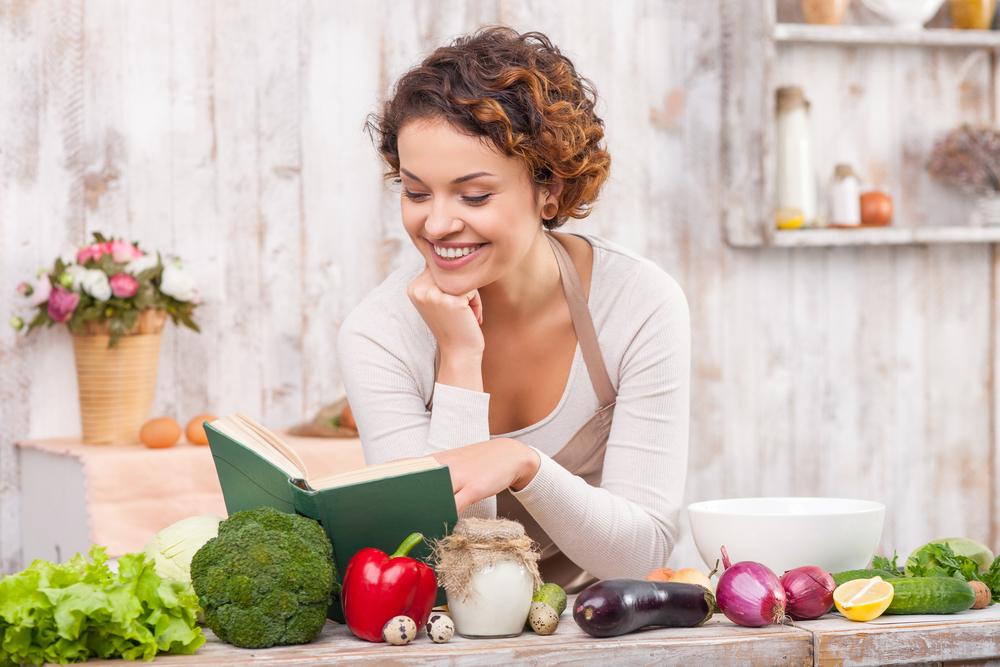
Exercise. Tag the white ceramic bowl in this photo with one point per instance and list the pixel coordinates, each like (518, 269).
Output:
(905, 13)
(836, 534)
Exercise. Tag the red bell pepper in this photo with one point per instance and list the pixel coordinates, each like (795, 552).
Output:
(378, 587)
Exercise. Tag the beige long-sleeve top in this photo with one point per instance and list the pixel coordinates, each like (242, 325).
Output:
(625, 527)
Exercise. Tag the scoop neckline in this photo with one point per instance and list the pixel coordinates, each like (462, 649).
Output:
(577, 358)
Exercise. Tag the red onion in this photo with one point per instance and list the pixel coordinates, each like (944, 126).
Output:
(809, 590)
(750, 594)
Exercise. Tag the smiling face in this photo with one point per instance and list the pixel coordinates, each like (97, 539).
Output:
(472, 212)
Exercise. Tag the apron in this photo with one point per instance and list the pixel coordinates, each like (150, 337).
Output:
(583, 454)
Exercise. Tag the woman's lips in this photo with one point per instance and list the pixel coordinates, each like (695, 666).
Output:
(458, 262)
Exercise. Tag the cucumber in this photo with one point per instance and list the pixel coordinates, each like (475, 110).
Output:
(930, 595)
(850, 575)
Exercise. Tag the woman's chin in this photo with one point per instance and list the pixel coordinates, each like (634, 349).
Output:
(456, 287)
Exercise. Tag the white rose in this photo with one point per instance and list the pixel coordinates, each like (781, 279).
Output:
(177, 284)
(140, 264)
(76, 272)
(95, 283)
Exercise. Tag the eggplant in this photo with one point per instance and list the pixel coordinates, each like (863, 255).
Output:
(619, 606)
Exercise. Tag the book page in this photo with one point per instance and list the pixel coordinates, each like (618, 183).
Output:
(239, 431)
(272, 439)
(381, 471)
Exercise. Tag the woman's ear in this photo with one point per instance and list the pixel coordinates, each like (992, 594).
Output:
(549, 197)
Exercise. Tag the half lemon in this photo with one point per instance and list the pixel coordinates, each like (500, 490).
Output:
(863, 599)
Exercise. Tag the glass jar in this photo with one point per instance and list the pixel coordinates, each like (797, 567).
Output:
(845, 197)
(796, 180)
(489, 570)
(497, 604)
(824, 12)
(972, 14)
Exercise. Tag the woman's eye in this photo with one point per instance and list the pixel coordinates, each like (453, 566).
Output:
(472, 200)
(477, 200)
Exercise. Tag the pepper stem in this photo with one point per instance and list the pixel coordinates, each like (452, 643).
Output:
(413, 540)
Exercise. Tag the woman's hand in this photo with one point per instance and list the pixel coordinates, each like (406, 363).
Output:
(486, 468)
(456, 323)
(454, 320)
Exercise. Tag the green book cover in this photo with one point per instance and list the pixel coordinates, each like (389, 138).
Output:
(377, 513)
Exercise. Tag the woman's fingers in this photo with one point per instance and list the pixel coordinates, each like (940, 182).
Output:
(477, 306)
(464, 498)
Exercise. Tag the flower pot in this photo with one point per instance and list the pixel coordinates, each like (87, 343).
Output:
(117, 385)
(987, 211)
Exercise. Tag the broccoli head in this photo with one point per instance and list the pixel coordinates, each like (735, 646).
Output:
(266, 580)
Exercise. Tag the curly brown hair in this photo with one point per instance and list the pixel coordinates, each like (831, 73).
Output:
(519, 92)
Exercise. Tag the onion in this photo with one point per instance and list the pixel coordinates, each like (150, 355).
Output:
(809, 590)
(750, 594)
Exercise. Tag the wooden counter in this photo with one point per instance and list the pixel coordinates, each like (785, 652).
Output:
(969, 638)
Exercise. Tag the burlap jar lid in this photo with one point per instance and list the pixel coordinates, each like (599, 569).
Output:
(476, 544)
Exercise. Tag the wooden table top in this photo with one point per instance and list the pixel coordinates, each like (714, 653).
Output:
(832, 640)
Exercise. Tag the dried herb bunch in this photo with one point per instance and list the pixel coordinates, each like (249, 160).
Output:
(968, 158)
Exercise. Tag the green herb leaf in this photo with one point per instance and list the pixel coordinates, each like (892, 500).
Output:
(883, 563)
(992, 579)
(938, 560)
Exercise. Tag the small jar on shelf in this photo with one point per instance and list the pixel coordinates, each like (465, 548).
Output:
(824, 12)
(972, 14)
(845, 197)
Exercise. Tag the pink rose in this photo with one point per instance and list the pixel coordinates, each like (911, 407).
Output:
(106, 247)
(24, 289)
(123, 251)
(62, 303)
(89, 252)
(123, 285)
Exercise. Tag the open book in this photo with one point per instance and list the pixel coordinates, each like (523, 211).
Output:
(377, 506)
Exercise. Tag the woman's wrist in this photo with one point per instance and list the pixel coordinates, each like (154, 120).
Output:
(528, 464)
(462, 369)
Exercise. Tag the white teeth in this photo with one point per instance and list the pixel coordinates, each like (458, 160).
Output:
(454, 253)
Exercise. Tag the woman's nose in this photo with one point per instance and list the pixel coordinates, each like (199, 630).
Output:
(440, 222)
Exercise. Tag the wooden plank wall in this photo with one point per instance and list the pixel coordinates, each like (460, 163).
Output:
(230, 132)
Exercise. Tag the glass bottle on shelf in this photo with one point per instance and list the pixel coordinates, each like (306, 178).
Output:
(796, 178)
(845, 198)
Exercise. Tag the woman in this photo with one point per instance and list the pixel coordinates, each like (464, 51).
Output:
(549, 371)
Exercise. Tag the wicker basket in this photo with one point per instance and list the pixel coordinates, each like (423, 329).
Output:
(117, 384)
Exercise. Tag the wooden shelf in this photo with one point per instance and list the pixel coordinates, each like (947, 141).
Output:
(885, 36)
(811, 238)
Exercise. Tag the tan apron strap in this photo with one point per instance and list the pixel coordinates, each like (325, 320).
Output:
(583, 325)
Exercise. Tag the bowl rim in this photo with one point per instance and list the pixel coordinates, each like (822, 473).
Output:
(867, 507)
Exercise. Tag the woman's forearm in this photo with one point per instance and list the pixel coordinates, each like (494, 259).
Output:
(461, 369)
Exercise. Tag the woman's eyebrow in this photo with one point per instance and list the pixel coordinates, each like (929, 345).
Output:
(460, 179)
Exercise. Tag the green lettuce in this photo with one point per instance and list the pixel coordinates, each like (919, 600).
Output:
(80, 609)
